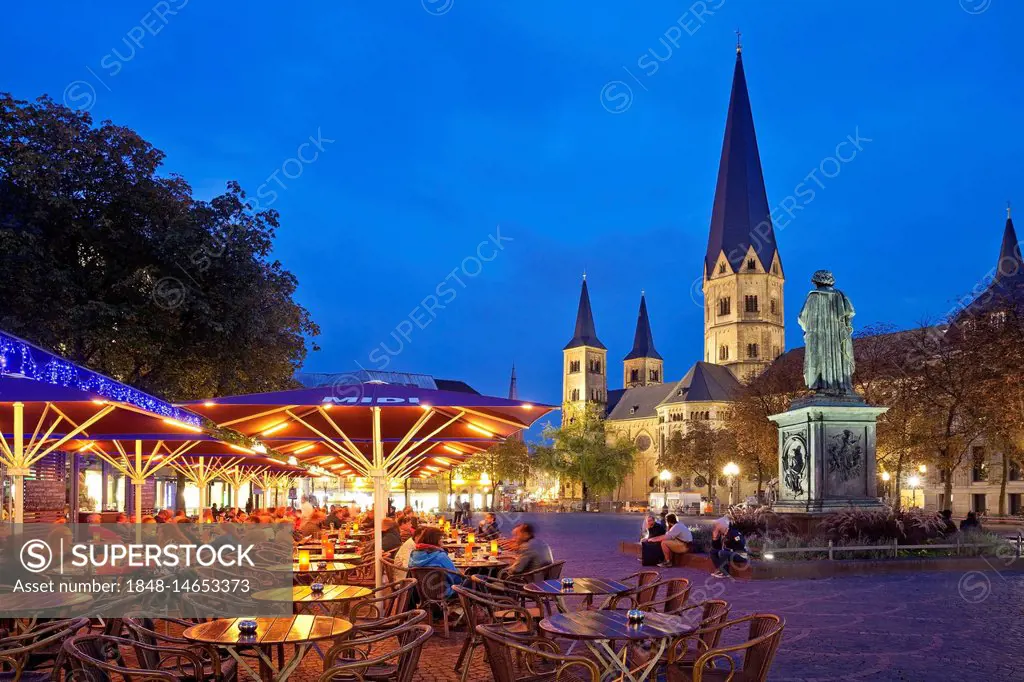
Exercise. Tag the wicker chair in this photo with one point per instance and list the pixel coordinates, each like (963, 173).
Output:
(502, 613)
(217, 665)
(764, 635)
(540, 657)
(397, 664)
(100, 657)
(672, 600)
(387, 600)
(35, 655)
(548, 572)
(642, 589)
(432, 592)
(705, 619)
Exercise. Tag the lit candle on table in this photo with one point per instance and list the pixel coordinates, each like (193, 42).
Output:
(303, 560)
(494, 548)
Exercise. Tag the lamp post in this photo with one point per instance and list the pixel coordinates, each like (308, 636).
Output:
(885, 479)
(731, 471)
(914, 482)
(665, 476)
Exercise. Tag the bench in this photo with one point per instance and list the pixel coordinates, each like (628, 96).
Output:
(697, 561)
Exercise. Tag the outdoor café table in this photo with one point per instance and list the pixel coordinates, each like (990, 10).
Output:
(470, 566)
(582, 587)
(295, 634)
(314, 574)
(599, 630)
(361, 535)
(306, 599)
(338, 556)
(40, 605)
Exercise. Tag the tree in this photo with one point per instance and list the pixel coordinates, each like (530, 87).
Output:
(580, 452)
(770, 392)
(508, 460)
(703, 450)
(119, 268)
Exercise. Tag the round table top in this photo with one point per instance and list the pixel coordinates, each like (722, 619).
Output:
(269, 631)
(332, 566)
(611, 625)
(303, 594)
(360, 534)
(320, 545)
(481, 563)
(337, 557)
(581, 586)
(44, 601)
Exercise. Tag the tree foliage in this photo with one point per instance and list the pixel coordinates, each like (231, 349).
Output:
(119, 268)
(703, 450)
(506, 461)
(580, 452)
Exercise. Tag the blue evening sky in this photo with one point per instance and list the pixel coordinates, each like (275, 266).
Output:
(451, 117)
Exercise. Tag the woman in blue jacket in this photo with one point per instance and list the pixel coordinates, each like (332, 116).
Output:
(429, 554)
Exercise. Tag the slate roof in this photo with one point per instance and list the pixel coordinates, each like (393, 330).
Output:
(704, 382)
(1007, 287)
(740, 216)
(636, 403)
(643, 340)
(585, 334)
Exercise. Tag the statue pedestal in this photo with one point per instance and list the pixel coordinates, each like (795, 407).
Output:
(827, 455)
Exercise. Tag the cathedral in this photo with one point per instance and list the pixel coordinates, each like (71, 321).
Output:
(743, 326)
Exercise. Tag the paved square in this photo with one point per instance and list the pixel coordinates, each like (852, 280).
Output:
(931, 626)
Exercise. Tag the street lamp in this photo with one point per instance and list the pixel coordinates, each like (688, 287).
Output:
(886, 476)
(914, 482)
(923, 469)
(665, 476)
(731, 471)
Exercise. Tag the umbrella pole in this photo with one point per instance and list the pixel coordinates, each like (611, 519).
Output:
(18, 471)
(380, 499)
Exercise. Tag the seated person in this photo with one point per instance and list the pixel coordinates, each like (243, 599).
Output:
(970, 523)
(652, 528)
(727, 546)
(488, 529)
(676, 540)
(407, 526)
(429, 554)
(533, 552)
(390, 537)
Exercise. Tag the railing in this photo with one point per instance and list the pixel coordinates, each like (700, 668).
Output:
(769, 553)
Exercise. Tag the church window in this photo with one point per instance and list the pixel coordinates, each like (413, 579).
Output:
(751, 264)
(574, 394)
(574, 366)
(724, 306)
(775, 268)
(634, 375)
(721, 268)
(654, 375)
(775, 307)
(750, 304)
(723, 352)
(775, 352)
(751, 350)
(595, 367)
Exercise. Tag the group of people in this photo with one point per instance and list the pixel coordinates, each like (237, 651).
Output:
(728, 546)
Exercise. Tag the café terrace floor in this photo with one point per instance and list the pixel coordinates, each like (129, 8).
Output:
(928, 626)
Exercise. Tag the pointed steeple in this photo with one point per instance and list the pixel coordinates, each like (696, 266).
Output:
(1010, 265)
(513, 391)
(643, 340)
(585, 334)
(740, 217)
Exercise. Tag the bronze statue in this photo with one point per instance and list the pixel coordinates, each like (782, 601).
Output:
(828, 338)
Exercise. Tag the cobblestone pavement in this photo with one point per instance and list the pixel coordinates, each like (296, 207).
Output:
(928, 626)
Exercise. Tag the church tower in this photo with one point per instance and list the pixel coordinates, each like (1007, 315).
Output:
(643, 366)
(743, 278)
(584, 370)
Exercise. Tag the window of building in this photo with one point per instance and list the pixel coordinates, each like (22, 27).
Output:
(1015, 500)
(594, 367)
(634, 375)
(574, 394)
(724, 306)
(775, 269)
(942, 475)
(1013, 470)
(751, 264)
(723, 352)
(774, 307)
(721, 268)
(775, 352)
(750, 304)
(979, 471)
(751, 350)
(978, 503)
(653, 375)
(574, 366)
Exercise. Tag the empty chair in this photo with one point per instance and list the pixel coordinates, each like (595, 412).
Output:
(397, 664)
(764, 634)
(539, 659)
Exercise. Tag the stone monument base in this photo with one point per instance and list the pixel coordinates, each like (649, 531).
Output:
(827, 456)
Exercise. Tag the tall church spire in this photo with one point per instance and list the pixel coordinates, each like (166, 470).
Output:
(643, 340)
(740, 218)
(513, 391)
(585, 334)
(1010, 264)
